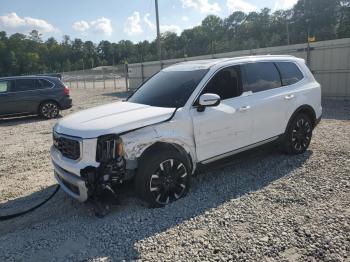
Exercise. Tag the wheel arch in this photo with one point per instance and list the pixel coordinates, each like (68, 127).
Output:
(305, 109)
(160, 145)
(48, 100)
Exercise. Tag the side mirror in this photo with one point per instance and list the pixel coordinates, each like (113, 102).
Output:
(208, 99)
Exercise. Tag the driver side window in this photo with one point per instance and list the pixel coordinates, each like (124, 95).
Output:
(226, 83)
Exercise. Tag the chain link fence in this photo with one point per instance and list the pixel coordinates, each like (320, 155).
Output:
(103, 77)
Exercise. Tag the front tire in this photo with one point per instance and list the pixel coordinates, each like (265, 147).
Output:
(298, 136)
(49, 110)
(163, 178)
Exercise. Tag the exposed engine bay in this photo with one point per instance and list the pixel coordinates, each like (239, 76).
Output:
(112, 168)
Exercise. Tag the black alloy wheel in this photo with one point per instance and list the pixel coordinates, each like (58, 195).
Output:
(299, 134)
(168, 183)
(163, 176)
(49, 110)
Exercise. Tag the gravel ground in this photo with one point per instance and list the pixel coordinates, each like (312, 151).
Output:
(256, 206)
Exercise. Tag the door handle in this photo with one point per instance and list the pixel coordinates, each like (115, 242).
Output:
(289, 97)
(244, 108)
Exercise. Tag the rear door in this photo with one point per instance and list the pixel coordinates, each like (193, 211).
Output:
(291, 77)
(24, 95)
(267, 99)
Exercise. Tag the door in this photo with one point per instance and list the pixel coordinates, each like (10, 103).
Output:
(268, 99)
(25, 96)
(226, 127)
(6, 97)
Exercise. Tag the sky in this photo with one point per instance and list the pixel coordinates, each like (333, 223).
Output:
(115, 20)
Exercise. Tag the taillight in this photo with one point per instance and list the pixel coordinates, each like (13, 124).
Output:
(66, 91)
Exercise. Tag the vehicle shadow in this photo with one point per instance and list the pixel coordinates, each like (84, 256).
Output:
(131, 221)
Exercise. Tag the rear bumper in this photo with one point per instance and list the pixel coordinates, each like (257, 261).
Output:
(66, 103)
(73, 185)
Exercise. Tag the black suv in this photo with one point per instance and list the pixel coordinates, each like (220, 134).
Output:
(41, 95)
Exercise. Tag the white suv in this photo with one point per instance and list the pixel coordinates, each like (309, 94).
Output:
(189, 113)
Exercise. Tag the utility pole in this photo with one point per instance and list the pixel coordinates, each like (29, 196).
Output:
(158, 33)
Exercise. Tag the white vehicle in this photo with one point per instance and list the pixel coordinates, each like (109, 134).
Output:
(187, 114)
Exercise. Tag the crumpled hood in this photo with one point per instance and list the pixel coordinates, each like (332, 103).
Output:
(111, 118)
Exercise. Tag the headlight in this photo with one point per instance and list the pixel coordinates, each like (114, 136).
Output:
(109, 147)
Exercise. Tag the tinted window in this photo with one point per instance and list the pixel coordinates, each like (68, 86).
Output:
(226, 83)
(25, 84)
(260, 76)
(168, 88)
(42, 84)
(290, 73)
(4, 86)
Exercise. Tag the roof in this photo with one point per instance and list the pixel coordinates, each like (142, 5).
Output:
(29, 76)
(206, 64)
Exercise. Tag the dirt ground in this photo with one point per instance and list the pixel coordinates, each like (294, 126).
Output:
(304, 201)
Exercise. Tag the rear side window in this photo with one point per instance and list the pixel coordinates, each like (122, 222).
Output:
(290, 73)
(226, 83)
(260, 76)
(4, 86)
(43, 83)
(24, 84)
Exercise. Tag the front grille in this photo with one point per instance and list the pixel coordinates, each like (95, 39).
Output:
(69, 148)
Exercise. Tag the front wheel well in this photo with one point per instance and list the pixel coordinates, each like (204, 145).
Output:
(160, 146)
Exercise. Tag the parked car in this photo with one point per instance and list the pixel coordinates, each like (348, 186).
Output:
(187, 114)
(41, 95)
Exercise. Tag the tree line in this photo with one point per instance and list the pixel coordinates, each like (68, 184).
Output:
(324, 19)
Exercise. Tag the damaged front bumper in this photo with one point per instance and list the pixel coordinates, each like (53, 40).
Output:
(83, 178)
(67, 174)
(73, 185)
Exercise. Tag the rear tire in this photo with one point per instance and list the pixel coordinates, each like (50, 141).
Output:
(298, 136)
(163, 178)
(49, 110)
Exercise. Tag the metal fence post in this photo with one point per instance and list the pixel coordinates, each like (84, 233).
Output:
(308, 54)
(84, 79)
(104, 79)
(126, 76)
(142, 73)
(115, 85)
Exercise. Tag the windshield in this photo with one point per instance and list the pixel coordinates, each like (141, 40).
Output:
(168, 88)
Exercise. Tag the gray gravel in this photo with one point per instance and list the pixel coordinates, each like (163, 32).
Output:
(257, 206)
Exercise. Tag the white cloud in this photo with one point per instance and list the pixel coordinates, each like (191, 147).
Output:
(148, 22)
(132, 25)
(99, 26)
(241, 5)
(184, 18)
(102, 26)
(13, 22)
(81, 26)
(284, 4)
(203, 6)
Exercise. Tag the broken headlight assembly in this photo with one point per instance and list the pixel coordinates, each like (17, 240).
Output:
(109, 148)
(111, 171)
(109, 153)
